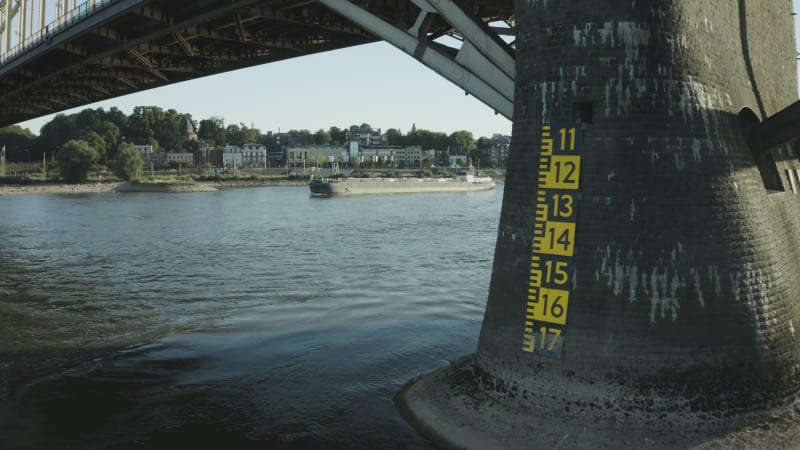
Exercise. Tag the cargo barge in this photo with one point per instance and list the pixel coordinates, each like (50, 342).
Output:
(364, 186)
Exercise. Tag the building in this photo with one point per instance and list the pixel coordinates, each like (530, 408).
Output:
(143, 149)
(398, 156)
(310, 154)
(415, 156)
(151, 159)
(499, 148)
(232, 157)
(460, 160)
(253, 155)
(189, 130)
(364, 136)
(185, 157)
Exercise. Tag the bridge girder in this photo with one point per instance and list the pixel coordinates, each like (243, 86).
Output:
(132, 45)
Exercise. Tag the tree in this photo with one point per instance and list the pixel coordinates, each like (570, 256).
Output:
(118, 118)
(95, 141)
(319, 159)
(141, 125)
(461, 139)
(212, 131)
(337, 135)
(426, 139)
(167, 129)
(394, 136)
(109, 131)
(249, 135)
(322, 137)
(55, 133)
(16, 140)
(233, 134)
(75, 159)
(301, 137)
(129, 162)
(483, 143)
(89, 119)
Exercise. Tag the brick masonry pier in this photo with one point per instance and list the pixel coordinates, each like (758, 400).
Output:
(646, 281)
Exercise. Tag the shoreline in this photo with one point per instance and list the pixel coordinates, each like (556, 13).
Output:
(94, 188)
(56, 188)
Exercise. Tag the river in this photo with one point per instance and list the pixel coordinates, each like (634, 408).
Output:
(245, 318)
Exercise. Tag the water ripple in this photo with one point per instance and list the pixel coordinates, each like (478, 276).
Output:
(258, 316)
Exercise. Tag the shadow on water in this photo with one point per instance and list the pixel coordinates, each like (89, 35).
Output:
(99, 400)
(165, 396)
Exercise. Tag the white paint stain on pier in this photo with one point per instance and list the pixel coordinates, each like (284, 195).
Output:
(665, 282)
(633, 210)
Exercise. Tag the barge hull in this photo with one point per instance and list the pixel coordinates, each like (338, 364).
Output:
(394, 187)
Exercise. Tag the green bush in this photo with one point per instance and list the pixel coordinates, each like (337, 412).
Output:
(128, 165)
(76, 159)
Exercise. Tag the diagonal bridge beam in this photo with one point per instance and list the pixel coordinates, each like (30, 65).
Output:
(483, 66)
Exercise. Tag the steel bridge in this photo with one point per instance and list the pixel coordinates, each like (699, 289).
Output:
(55, 55)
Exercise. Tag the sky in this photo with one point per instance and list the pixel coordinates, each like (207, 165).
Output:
(374, 83)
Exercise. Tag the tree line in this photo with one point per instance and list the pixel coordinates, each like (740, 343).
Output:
(99, 135)
(103, 130)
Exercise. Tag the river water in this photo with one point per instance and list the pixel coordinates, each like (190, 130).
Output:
(246, 318)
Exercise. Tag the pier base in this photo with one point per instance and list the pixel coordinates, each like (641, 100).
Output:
(451, 408)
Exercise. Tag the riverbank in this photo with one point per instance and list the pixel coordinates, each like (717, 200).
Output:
(92, 188)
(47, 188)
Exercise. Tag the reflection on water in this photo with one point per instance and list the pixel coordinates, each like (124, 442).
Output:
(253, 318)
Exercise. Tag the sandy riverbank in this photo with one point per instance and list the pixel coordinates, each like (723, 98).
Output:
(88, 188)
(84, 188)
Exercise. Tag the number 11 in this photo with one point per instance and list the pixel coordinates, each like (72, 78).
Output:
(572, 133)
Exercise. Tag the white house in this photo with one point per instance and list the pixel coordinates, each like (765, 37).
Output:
(253, 155)
(183, 156)
(232, 156)
(143, 149)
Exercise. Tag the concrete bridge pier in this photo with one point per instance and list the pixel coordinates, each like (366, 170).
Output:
(646, 282)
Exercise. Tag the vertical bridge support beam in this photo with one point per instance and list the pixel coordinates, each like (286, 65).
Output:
(8, 16)
(645, 289)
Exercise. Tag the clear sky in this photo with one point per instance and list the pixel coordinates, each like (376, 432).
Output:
(373, 83)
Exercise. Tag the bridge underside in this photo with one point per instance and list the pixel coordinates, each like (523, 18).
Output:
(128, 46)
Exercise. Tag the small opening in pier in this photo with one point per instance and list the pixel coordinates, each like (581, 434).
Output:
(582, 111)
(763, 158)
